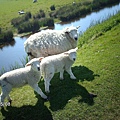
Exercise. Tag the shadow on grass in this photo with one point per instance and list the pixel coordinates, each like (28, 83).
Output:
(61, 91)
(28, 112)
(83, 73)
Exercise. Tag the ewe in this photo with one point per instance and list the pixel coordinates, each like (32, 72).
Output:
(19, 77)
(57, 63)
(51, 42)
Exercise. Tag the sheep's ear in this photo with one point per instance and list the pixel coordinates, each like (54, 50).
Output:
(66, 53)
(77, 27)
(67, 30)
(28, 64)
(41, 58)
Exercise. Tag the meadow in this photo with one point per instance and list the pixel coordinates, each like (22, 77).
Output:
(9, 8)
(97, 69)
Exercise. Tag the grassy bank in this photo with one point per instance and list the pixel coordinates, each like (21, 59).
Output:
(97, 70)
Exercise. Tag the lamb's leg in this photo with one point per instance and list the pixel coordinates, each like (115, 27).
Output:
(39, 91)
(71, 74)
(47, 84)
(9, 99)
(61, 75)
(47, 80)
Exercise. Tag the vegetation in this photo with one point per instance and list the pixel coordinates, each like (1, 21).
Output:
(39, 15)
(97, 70)
(6, 36)
(72, 11)
(17, 21)
(26, 24)
(52, 7)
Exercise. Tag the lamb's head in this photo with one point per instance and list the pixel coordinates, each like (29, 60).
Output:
(72, 32)
(35, 63)
(72, 54)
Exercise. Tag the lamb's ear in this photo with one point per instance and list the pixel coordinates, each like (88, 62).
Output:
(77, 27)
(76, 48)
(41, 58)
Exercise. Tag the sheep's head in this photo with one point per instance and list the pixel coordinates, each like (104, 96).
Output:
(35, 63)
(72, 54)
(72, 32)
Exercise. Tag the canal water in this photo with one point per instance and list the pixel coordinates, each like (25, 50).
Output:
(13, 54)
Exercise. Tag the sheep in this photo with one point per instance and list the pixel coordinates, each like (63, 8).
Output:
(51, 42)
(30, 74)
(34, 1)
(57, 63)
(21, 12)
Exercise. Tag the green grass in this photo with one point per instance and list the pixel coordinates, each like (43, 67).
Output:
(9, 8)
(97, 69)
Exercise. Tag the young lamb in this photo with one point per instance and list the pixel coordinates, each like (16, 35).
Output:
(20, 77)
(51, 42)
(57, 63)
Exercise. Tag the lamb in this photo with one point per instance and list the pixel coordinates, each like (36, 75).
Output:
(57, 63)
(51, 42)
(20, 77)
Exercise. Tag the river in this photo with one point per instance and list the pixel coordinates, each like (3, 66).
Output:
(13, 54)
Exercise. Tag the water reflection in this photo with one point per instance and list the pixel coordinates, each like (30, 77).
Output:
(12, 43)
(12, 53)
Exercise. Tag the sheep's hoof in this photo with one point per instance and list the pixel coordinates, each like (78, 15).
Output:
(45, 99)
(73, 78)
(47, 91)
(61, 78)
(10, 102)
(91, 95)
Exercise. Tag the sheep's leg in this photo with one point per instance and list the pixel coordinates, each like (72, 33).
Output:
(61, 75)
(39, 91)
(71, 74)
(5, 92)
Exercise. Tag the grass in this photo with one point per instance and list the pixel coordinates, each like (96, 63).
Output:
(9, 9)
(97, 69)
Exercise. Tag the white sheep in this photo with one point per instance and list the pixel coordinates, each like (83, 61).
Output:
(21, 12)
(20, 77)
(34, 1)
(57, 63)
(51, 42)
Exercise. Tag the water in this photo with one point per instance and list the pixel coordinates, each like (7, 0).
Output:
(93, 17)
(11, 54)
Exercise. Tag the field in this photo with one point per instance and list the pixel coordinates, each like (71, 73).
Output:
(9, 8)
(97, 69)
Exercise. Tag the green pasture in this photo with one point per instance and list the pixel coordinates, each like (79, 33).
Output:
(9, 8)
(97, 69)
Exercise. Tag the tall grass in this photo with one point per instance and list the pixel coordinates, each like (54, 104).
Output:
(101, 20)
(16, 65)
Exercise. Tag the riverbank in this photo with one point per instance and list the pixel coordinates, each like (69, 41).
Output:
(62, 10)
